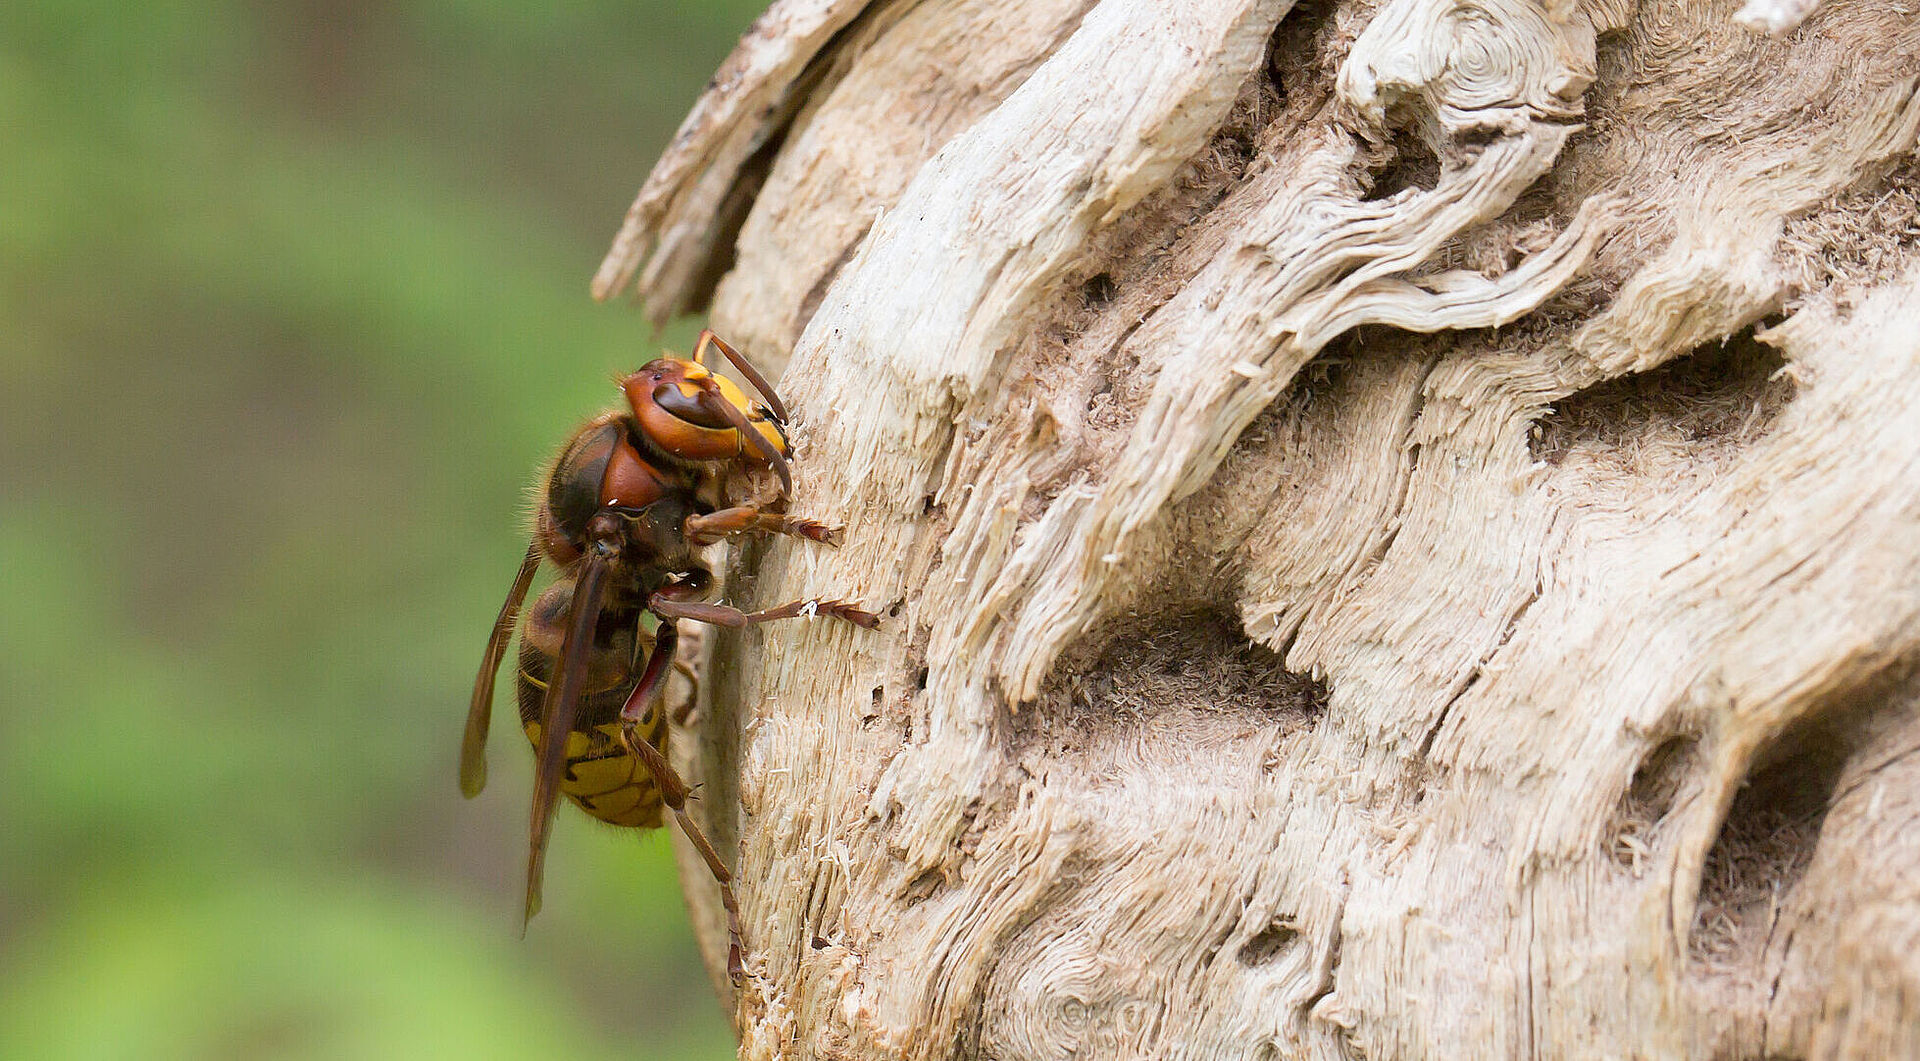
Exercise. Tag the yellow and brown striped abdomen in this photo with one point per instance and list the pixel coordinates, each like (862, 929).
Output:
(605, 780)
(600, 776)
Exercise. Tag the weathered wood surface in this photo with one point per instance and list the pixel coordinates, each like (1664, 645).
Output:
(1399, 522)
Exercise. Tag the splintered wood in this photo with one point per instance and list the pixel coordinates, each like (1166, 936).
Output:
(1399, 525)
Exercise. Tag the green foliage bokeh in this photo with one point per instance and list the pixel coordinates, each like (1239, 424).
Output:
(293, 301)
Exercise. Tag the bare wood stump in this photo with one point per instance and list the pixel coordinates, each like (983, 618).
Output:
(1399, 522)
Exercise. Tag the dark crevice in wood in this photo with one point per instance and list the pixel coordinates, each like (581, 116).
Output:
(728, 219)
(1189, 673)
(1774, 826)
(1098, 289)
(818, 292)
(1639, 820)
(1131, 270)
(1390, 525)
(1766, 843)
(1771, 830)
(1419, 773)
(1269, 943)
(1410, 163)
(1329, 974)
(828, 64)
(1303, 52)
(1721, 394)
(924, 887)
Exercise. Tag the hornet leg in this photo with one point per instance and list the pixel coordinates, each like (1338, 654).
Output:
(705, 530)
(668, 607)
(673, 790)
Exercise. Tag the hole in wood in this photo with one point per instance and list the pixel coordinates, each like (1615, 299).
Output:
(1411, 164)
(1767, 840)
(1202, 660)
(1160, 688)
(1304, 47)
(1268, 944)
(923, 887)
(1098, 290)
(1276, 77)
(1720, 394)
(1649, 800)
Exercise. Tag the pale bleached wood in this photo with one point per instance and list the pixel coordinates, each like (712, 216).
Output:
(1305, 638)
(921, 77)
(667, 238)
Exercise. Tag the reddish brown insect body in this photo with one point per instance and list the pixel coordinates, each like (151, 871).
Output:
(631, 501)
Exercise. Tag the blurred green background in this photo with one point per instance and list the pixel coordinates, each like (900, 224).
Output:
(293, 299)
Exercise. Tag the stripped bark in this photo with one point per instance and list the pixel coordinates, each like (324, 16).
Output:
(1400, 524)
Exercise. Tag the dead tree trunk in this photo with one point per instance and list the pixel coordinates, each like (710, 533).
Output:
(1399, 522)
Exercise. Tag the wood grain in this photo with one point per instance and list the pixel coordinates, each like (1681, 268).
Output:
(1399, 522)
